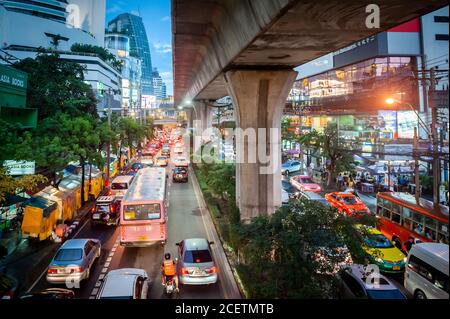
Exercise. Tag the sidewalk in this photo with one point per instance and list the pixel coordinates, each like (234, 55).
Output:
(29, 257)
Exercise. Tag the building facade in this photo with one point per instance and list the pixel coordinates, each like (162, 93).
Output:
(26, 26)
(119, 45)
(159, 87)
(133, 26)
(13, 97)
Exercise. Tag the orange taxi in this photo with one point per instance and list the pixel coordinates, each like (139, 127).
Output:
(347, 203)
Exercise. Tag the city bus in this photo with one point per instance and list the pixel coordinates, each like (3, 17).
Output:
(143, 216)
(400, 217)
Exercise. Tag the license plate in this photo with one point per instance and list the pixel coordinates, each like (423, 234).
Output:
(142, 238)
(96, 216)
(396, 267)
(199, 273)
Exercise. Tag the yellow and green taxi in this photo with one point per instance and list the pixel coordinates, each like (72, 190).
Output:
(381, 251)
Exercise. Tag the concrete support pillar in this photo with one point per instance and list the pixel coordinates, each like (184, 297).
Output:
(204, 115)
(259, 97)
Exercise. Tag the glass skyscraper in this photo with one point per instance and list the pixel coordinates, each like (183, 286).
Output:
(54, 10)
(133, 26)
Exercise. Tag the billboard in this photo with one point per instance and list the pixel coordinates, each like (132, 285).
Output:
(18, 168)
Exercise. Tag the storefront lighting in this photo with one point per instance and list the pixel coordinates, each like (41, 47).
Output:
(390, 101)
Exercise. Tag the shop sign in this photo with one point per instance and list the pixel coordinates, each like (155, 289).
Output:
(18, 168)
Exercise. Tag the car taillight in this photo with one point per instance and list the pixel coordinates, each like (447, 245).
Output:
(184, 272)
(76, 270)
(213, 270)
(52, 271)
(112, 209)
(109, 192)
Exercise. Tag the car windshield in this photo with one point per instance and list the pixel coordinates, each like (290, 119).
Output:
(197, 256)
(161, 158)
(350, 200)
(305, 180)
(119, 186)
(287, 164)
(179, 171)
(136, 165)
(287, 186)
(377, 241)
(69, 254)
(103, 208)
(385, 294)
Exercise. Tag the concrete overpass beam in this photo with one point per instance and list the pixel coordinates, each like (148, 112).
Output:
(259, 97)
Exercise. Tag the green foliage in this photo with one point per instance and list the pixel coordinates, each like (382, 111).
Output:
(274, 265)
(327, 144)
(56, 85)
(9, 185)
(286, 133)
(104, 54)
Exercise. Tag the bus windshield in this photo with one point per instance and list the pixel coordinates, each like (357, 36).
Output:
(142, 212)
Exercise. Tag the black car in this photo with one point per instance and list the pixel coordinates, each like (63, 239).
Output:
(50, 294)
(291, 190)
(180, 174)
(106, 211)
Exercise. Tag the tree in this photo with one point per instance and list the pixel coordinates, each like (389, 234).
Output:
(328, 145)
(56, 85)
(10, 185)
(103, 53)
(286, 131)
(274, 265)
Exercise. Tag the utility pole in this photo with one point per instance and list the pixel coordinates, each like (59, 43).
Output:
(416, 166)
(434, 140)
(108, 147)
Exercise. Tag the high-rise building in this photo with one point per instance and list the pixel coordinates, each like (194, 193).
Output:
(25, 26)
(89, 16)
(133, 26)
(119, 45)
(159, 87)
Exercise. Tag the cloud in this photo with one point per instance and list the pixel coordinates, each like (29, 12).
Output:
(165, 18)
(162, 48)
(166, 76)
(114, 9)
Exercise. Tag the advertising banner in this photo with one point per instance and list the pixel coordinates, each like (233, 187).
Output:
(15, 168)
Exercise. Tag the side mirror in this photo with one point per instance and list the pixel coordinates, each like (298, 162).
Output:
(211, 243)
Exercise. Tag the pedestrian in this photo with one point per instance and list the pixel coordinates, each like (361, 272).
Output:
(409, 243)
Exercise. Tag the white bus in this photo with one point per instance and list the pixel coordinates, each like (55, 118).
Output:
(426, 271)
(143, 216)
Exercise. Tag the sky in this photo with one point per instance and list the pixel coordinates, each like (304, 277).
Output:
(157, 21)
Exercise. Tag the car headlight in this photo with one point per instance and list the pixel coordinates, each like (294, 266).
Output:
(405, 259)
(379, 260)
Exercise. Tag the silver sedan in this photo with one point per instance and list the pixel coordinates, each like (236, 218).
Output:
(73, 261)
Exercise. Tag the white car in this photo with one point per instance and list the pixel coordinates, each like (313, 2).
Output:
(126, 283)
(178, 150)
(181, 161)
(147, 161)
(358, 282)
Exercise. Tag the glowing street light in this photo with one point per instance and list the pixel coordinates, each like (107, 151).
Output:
(390, 101)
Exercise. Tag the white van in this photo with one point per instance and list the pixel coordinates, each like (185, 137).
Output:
(120, 185)
(426, 271)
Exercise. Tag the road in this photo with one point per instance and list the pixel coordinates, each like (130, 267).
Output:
(187, 218)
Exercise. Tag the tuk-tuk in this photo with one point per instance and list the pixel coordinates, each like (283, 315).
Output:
(40, 217)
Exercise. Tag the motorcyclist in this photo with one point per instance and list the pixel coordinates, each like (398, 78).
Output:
(169, 271)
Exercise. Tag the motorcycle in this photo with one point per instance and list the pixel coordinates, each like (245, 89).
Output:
(170, 287)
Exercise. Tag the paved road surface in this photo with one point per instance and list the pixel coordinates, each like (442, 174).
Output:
(187, 219)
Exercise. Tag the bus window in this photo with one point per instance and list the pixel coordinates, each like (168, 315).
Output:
(406, 223)
(386, 213)
(418, 228)
(396, 218)
(430, 234)
(406, 213)
(142, 212)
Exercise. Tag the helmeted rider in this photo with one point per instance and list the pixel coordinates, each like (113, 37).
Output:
(169, 270)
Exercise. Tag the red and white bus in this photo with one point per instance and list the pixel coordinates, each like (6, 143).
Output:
(143, 215)
(400, 216)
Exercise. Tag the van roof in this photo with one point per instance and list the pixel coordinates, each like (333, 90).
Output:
(440, 251)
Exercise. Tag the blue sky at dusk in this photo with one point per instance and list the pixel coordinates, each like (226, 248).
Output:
(157, 21)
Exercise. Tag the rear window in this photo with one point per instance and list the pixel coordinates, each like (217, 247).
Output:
(197, 256)
(180, 171)
(69, 254)
(306, 180)
(102, 208)
(142, 212)
(119, 186)
(385, 294)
